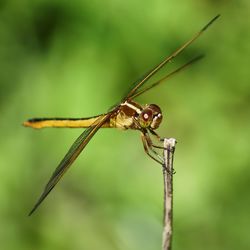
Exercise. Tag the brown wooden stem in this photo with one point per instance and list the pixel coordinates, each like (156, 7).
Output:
(168, 171)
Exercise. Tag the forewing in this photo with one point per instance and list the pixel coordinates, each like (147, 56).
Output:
(169, 75)
(70, 157)
(138, 84)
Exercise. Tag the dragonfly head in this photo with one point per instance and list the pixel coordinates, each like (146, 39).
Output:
(150, 116)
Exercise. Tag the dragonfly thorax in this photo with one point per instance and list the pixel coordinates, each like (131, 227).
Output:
(150, 116)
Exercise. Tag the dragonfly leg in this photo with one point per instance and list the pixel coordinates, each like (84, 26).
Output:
(147, 144)
(157, 137)
(155, 134)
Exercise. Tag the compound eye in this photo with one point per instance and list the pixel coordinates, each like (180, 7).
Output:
(156, 121)
(146, 117)
(155, 108)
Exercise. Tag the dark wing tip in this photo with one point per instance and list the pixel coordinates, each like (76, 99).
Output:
(32, 211)
(42, 197)
(34, 208)
(207, 25)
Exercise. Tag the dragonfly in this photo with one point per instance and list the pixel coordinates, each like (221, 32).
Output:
(127, 114)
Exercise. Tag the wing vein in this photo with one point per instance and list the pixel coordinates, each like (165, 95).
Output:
(145, 78)
(70, 157)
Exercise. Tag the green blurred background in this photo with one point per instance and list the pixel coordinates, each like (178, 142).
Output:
(76, 59)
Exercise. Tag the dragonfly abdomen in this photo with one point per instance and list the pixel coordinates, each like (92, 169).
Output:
(61, 122)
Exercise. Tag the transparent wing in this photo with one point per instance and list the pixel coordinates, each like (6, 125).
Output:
(70, 157)
(147, 76)
(171, 74)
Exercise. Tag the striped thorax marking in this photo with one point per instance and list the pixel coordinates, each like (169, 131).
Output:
(132, 106)
(126, 116)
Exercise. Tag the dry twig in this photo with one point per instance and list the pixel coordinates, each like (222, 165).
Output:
(168, 156)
